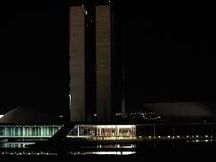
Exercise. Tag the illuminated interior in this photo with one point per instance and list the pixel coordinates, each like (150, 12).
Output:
(29, 131)
(103, 131)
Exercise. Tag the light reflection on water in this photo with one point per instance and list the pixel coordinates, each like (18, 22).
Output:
(17, 153)
(15, 144)
(103, 153)
(20, 148)
(112, 146)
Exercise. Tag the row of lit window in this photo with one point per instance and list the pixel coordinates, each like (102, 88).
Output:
(28, 131)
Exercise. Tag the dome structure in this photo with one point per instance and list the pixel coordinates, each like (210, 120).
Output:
(31, 115)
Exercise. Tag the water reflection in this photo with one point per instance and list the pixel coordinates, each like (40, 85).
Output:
(112, 146)
(15, 144)
(17, 153)
(20, 148)
(26, 153)
(102, 153)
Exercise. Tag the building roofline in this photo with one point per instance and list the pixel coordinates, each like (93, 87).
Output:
(84, 2)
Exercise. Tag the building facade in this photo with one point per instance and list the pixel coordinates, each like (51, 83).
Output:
(91, 56)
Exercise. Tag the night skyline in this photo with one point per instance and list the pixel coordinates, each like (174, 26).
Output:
(172, 62)
(119, 80)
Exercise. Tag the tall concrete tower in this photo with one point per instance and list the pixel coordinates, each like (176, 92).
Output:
(103, 62)
(77, 63)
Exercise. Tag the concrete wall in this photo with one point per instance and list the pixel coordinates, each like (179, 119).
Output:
(77, 63)
(103, 62)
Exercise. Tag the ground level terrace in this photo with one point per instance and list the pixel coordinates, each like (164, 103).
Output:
(152, 131)
(196, 132)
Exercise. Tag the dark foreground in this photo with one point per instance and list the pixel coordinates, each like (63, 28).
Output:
(148, 156)
(160, 152)
(158, 155)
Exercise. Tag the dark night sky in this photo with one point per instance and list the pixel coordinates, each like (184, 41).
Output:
(168, 53)
(33, 55)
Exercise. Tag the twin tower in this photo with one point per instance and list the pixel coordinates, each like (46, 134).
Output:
(80, 54)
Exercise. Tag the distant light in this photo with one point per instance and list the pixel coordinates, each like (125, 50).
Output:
(187, 136)
(159, 136)
(109, 1)
(178, 136)
(197, 136)
(206, 140)
(206, 136)
(86, 12)
(1, 116)
(70, 99)
(111, 152)
(61, 116)
(168, 136)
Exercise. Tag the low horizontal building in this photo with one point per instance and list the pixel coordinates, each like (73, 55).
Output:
(29, 124)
